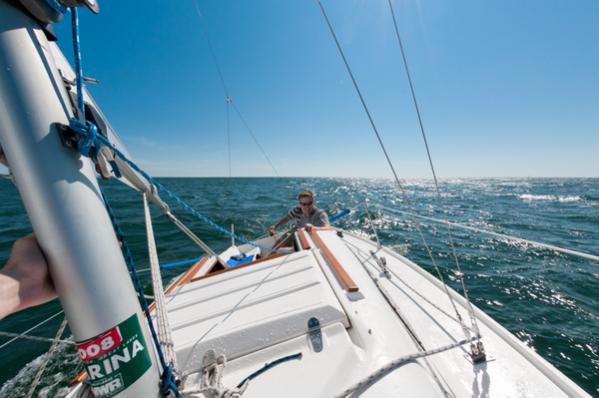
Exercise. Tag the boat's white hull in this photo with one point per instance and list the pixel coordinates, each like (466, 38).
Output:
(260, 313)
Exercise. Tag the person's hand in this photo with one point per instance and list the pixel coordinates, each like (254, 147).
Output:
(271, 230)
(24, 280)
(308, 227)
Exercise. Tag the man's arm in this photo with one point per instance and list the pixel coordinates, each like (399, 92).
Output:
(324, 218)
(283, 220)
(24, 279)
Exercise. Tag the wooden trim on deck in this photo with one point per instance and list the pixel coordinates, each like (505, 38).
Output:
(346, 281)
(222, 271)
(303, 239)
(188, 275)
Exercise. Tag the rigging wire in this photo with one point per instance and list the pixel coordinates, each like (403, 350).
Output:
(211, 49)
(42, 367)
(229, 132)
(24, 335)
(542, 245)
(229, 98)
(16, 336)
(399, 185)
(393, 304)
(167, 377)
(255, 139)
(383, 371)
(430, 161)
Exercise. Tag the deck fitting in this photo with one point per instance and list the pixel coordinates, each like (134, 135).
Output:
(477, 352)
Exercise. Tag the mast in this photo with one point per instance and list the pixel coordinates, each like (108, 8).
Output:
(60, 192)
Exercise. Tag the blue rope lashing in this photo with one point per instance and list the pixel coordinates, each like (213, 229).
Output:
(167, 373)
(169, 382)
(88, 143)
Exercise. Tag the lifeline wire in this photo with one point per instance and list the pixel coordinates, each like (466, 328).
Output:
(382, 145)
(430, 161)
(498, 235)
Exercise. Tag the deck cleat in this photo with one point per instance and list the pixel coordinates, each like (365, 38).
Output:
(477, 352)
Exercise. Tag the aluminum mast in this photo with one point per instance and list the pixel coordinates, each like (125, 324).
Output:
(61, 195)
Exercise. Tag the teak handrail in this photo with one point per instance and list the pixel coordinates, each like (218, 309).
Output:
(303, 239)
(346, 281)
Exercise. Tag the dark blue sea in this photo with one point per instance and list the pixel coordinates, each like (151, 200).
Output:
(548, 300)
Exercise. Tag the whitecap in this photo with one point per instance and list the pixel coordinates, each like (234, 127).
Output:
(550, 198)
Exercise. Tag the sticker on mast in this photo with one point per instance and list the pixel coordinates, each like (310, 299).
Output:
(116, 358)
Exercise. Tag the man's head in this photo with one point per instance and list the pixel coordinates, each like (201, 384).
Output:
(306, 201)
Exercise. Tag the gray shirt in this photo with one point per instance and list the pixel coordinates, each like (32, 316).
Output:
(317, 217)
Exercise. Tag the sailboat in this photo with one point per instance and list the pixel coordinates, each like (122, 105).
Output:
(308, 312)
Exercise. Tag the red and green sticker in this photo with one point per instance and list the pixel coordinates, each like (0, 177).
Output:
(116, 358)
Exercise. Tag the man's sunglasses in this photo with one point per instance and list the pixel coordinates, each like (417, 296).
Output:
(306, 203)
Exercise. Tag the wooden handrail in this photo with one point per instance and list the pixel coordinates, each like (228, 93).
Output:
(346, 281)
(303, 239)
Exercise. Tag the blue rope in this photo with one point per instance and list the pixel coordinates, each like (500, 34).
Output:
(180, 263)
(339, 215)
(102, 140)
(56, 6)
(168, 377)
(78, 66)
(90, 141)
(88, 145)
(270, 365)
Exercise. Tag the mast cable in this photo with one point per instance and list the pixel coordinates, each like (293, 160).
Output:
(207, 249)
(430, 161)
(229, 133)
(399, 185)
(211, 49)
(229, 98)
(395, 307)
(255, 139)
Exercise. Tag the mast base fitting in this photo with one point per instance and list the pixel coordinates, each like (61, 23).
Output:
(477, 352)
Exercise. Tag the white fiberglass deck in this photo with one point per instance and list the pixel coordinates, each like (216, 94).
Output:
(259, 313)
(245, 310)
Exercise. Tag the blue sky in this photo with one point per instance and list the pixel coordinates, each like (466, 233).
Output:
(506, 88)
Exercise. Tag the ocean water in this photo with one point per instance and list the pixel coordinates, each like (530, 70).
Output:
(548, 300)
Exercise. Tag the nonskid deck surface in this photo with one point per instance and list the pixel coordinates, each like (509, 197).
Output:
(260, 313)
